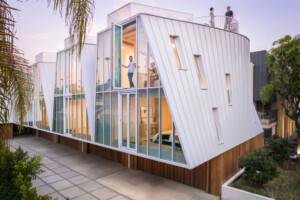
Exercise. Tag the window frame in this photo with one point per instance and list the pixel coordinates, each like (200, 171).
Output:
(114, 52)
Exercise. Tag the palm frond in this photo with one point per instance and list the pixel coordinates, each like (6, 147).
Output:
(78, 16)
(15, 82)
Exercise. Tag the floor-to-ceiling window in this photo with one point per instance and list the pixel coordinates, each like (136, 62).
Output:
(58, 109)
(41, 119)
(70, 114)
(106, 111)
(129, 50)
(138, 119)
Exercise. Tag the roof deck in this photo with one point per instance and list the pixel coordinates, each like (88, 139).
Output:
(131, 9)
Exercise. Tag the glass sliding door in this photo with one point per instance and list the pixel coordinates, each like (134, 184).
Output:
(142, 121)
(107, 118)
(128, 120)
(124, 120)
(99, 118)
(114, 118)
(132, 121)
(153, 128)
(117, 68)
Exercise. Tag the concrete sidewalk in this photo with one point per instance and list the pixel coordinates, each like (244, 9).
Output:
(70, 173)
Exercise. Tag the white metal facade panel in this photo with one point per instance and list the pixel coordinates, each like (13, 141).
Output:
(48, 72)
(222, 52)
(88, 63)
(132, 9)
(45, 57)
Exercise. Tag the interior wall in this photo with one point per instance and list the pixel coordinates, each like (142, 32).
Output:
(166, 116)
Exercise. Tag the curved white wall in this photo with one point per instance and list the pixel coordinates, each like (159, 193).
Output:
(222, 53)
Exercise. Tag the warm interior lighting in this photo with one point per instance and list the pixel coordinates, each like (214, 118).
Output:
(198, 71)
(175, 52)
(298, 150)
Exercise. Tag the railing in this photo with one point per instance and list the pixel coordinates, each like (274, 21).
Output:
(268, 116)
(217, 21)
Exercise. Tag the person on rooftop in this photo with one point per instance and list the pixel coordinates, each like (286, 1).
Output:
(229, 17)
(212, 17)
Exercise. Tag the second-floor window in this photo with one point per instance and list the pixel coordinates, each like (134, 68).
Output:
(228, 88)
(176, 45)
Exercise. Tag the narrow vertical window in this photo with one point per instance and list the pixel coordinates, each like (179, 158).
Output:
(176, 45)
(200, 71)
(217, 124)
(228, 88)
(117, 58)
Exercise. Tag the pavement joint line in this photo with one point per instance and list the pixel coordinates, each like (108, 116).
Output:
(78, 175)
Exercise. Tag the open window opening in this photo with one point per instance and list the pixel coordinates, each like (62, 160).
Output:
(200, 71)
(177, 48)
(228, 89)
(217, 125)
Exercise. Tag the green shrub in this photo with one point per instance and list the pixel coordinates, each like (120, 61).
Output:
(16, 173)
(259, 166)
(277, 149)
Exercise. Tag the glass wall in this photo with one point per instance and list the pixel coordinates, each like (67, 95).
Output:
(129, 49)
(107, 115)
(142, 113)
(153, 128)
(69, 114)
(114, 118)
(58, 109)
(142, 56)
(117, 56)
(142, 121)
(40, 112)
(99, 118)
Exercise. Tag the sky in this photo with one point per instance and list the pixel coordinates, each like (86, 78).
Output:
(39, 29)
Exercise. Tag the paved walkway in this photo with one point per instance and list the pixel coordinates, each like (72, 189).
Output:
(70, 173)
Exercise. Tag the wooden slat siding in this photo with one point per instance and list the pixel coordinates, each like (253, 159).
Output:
(75, 144)
(9, 131)
(45, 135)
(108, 154)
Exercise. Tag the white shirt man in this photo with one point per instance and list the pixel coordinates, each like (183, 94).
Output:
(130, 67)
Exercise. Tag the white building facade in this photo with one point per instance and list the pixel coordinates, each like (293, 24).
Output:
(184, 99)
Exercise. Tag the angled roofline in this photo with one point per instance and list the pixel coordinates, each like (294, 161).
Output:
(140, 14)
(148, 6)
(70, 47)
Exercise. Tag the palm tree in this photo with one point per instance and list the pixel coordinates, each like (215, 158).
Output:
(15, 73)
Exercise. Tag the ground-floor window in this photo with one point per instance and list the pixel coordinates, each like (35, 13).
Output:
(138, 120)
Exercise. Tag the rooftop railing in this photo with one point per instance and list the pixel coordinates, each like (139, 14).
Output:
(217, 21)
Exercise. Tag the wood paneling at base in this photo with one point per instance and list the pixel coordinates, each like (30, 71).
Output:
(6, 131)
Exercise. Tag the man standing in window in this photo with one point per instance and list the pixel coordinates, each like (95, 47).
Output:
(131, 66)
(228, 20)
